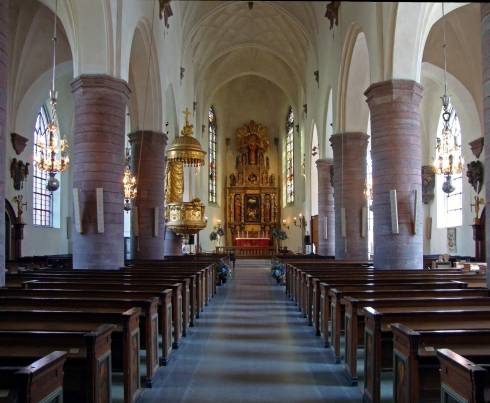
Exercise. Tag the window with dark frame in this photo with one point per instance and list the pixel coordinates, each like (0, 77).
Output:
(212, 131)
(290, 156)
(42, 199)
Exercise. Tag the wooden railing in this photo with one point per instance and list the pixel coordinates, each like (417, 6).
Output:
(247, 251)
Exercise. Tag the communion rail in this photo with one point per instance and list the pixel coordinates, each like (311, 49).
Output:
(247, 251)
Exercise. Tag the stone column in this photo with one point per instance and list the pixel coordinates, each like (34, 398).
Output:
(485, 43)
(148, 151)
(349, 151)
(172, 244)
(397, 159)
(98, 162)
(4, 66)
(326, 210)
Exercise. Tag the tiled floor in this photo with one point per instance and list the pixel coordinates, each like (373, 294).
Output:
(251, 345)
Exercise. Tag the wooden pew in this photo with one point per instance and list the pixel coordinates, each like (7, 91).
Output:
(164, 307)
(148, 319)
(415, 364)
(125, 349)
(378, 338)
(354, 312)
(325, 306)
(464, 380)
(87, 368)
(154, 290)
(26, 381)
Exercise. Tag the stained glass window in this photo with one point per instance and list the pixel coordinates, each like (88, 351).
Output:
(450, 206)
(212, 129)
(290, 157)
(42, 199)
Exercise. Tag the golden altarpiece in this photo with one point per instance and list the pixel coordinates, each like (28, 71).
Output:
(252, 191)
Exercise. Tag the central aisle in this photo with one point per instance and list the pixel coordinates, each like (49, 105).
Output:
(251, 345)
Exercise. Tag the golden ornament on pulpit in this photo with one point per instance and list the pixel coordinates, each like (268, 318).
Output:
(183, 218)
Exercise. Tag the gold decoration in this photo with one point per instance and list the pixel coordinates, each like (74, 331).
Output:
(129, 183)
(183, 218)
(479, 201)
(174, 182)
(185, 148)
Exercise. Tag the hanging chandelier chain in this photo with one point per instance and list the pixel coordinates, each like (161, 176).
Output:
(55, 37)
(444, 50)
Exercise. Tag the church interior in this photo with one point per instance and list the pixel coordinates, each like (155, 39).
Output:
(244, 201)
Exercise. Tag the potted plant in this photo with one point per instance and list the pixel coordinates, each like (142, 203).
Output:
(278, 235)
(223, 272)
(278, 271)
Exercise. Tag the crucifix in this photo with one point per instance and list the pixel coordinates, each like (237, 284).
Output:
(186, 113)
(476, 206)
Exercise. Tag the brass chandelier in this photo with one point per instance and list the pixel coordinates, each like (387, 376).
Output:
(52, 155)
(129, 183)
(448, 160)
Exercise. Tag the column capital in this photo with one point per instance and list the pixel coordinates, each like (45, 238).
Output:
(348, 138)
(150, 135)
(324, 163)
(383, 92)
(100, 82)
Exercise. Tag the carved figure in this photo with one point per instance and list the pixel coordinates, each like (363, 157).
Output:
(267, 208)
(240, 178)
(252, 178)
(271, 180)
(237, 162)
(267, 164)
(18, 172)
(165, 11)
(238, 208)
(232, 180)
(475, 174)
(19, 200)
(264, 178)
(332, 13)
(252, 152)
(428, 184)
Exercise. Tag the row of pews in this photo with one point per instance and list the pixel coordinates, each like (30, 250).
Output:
(69, 334)
(426, 330)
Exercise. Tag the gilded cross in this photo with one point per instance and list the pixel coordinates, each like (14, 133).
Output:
(186, 113)
(476, 205)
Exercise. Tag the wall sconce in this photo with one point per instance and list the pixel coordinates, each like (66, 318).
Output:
(285, 223)
(300, 222)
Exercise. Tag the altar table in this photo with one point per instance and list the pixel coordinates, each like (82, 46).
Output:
(260, 242)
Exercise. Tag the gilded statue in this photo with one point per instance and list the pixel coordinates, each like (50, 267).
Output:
(174, 182)
(238, 208)
(19, 200)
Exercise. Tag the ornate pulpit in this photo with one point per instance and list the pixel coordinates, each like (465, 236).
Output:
(252, 191)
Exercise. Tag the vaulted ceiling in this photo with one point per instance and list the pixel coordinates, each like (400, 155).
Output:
(268, 37)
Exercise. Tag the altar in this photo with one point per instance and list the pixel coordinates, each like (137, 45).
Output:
(252, 189)
(255, 242)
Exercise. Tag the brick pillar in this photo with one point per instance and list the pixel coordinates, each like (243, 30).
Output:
(172, 244)
(149, 169)
(349, 150)
(485, 43)
(98, 162)
(397, 159)
(326, 210)
(4, 66)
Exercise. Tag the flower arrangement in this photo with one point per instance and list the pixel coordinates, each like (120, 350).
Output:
(223, 272)
(213, 236)
(279, 234)
(278, 271)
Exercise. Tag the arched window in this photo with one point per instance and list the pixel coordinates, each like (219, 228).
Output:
(369, 194)
(290, 156)
(450, 205)
(42, 199)
(212, 129)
